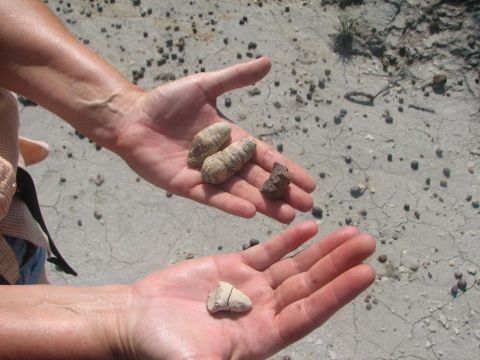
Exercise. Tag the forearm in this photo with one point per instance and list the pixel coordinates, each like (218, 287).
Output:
(43, 61)
(52, 322)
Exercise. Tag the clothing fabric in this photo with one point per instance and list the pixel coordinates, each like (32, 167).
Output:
(31, 260)
(15, 219)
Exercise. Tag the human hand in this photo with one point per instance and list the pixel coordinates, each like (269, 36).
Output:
(167, 316)
(156, 133)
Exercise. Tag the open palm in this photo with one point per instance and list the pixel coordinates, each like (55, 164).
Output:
(157, 131)
(291, 297)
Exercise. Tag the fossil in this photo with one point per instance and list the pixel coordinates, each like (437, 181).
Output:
(277, 183)
(222, 165)
(226, 297)
(207, 142)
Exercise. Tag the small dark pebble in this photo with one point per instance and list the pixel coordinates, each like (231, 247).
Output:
(406, 207)
(253, 242)
(228, 102)
(348, 159)
(468, 198)
(458, 275)
(446, 172)
(254, 92)
(97, 214)
(443, 183)
(79, 222)
(368, 306)
(62, 180)
(321, 175)
(317, 212)
(414, 267)
(475, 204)
(357, 191)
(414, 165)
(389, 119)
(454, 290)
(382, 258)
(168, 194)
(337, 119)
(280, 148)
(462, 284)
(389, 157)
(439, 153)
(219, 247)
(363, 212)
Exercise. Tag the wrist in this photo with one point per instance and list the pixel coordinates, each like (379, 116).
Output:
(53, 322)
(109, 321)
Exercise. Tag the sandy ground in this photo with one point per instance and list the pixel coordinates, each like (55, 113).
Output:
(115, 228)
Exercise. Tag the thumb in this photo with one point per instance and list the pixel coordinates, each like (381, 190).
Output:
(236, 76)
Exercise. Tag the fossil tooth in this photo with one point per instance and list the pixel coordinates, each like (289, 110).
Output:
(207, 142)
(226, 297)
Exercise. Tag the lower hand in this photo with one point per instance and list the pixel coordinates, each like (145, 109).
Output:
(168, 318)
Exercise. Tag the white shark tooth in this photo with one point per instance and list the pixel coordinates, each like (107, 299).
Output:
(226, 297)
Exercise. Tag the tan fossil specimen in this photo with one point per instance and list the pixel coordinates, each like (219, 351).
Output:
(207, 142)
(222, 165)
(226, 297)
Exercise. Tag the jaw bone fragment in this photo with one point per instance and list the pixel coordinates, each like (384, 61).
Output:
(225, 297)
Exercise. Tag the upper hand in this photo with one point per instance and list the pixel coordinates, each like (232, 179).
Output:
(156, 133)
(168, 318)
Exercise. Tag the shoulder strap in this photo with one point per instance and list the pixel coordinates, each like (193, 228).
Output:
(26, 191)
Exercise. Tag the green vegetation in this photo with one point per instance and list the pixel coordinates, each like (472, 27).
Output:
(344, 36)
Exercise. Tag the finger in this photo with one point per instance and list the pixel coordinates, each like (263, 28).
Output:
(294, 196)
(275, 209)
(216, 197)
(262, 256)
(301, 262)
(344, 257)
(233, 77)
(303, 316)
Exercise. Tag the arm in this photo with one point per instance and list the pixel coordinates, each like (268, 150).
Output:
(43, 61)
(151, 130)
(53, 322)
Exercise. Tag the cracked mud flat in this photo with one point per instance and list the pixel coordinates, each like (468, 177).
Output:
(396, 151)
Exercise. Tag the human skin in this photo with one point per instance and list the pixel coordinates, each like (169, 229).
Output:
(164, 315)
(150, 130)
